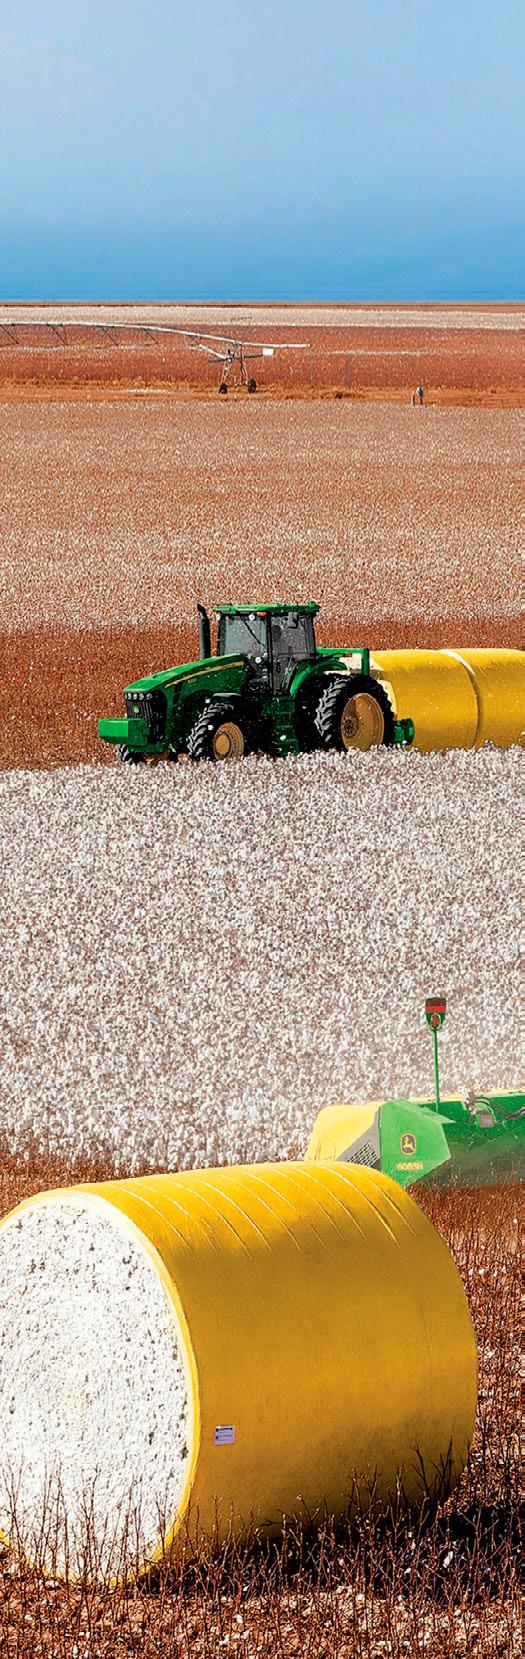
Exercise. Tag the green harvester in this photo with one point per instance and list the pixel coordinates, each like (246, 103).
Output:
(269, 688)
(475, 1142)
(478, 1141)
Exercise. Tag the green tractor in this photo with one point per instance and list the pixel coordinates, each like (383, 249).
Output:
(268, 688)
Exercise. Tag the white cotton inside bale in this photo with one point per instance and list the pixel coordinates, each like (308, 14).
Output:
(95, 1413)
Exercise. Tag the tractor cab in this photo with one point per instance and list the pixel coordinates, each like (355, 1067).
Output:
(275, 639)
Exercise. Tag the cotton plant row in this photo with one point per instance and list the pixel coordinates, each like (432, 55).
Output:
(199, 957)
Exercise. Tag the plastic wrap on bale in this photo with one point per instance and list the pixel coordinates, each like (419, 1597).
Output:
(457, 699)
(224, 1348)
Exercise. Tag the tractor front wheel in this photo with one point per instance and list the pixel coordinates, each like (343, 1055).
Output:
(131, 756)
(217, 734)
(252, 385)
(354, 713)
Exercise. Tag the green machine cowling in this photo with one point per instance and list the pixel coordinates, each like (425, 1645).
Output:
(269, 687)
(478, 1141)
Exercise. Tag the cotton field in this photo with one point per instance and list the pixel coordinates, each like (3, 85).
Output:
(467, 354)
(197, 958)
(114, 516)
(117, 518)
(474, 316)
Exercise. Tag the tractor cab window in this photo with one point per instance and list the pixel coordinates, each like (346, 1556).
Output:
(292, 642)
(243, 636)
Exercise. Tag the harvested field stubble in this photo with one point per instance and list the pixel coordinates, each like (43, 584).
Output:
(198, 958)
(442, 1586)
(115, 520)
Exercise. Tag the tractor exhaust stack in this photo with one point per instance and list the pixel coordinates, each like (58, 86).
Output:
(204, 632)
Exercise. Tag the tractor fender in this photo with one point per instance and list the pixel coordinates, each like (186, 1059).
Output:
(338, 668)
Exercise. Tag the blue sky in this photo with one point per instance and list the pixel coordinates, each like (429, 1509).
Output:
(249, 149)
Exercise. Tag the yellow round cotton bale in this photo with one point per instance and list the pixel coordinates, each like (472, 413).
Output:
(498, 678)
(435, 689)
(259, 1339)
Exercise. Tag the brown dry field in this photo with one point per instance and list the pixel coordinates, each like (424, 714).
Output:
(444, 1585)
(116, 517)
(458, 365)
(465, 354)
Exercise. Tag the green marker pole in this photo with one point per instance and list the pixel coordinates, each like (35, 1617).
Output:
(435, 1010)
(436, 1068)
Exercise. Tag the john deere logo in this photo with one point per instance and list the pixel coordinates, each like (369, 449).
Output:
(408, 1143)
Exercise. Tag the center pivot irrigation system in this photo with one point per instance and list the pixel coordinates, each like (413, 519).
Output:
(238, 352)
(229, 351)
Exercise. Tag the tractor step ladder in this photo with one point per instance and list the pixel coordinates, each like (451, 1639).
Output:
(285, 736)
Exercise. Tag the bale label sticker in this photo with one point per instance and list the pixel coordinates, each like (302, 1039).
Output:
(225, 1434)
(408, 1143)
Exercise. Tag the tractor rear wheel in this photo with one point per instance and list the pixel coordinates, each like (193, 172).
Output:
(354, 713)
(131, 756)
(217, 734)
